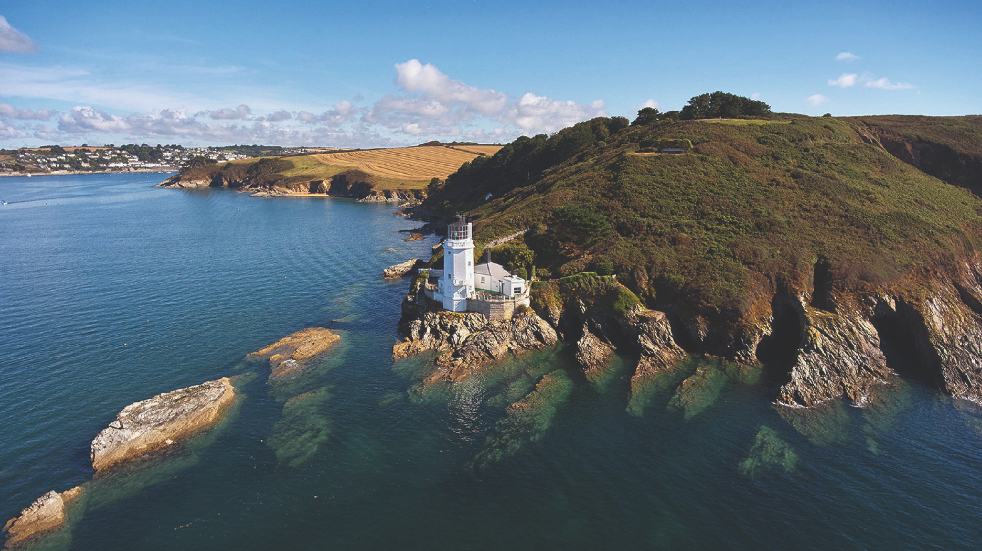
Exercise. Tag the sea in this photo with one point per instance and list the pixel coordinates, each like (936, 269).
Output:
(113, 290)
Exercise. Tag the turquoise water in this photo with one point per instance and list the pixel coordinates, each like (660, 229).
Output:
(112, 290)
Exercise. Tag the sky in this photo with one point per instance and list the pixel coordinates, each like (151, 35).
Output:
(369, 74)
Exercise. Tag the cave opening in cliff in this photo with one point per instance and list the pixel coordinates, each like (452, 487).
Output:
(898, 342)
(779, 350)
(822, 285)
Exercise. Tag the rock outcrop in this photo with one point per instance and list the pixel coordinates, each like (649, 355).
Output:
(150, 425)
(47, 513)
(593, 353)
(289, 355)
(401, 269)
(840, 354)
(659, 351)
(839, 357)
(468, 342)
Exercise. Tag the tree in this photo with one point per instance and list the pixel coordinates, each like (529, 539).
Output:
(647, 115)
(723, 104)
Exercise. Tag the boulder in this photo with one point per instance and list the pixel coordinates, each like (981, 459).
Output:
(47, 513)
(401, 269)
(150, 425)
(290, 354)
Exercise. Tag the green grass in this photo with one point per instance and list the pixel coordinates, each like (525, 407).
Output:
(710, 233)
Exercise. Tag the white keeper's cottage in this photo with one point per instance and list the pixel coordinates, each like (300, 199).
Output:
(461, 286)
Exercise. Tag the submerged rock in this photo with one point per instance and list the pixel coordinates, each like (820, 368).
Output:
(303, 428)
(769, 451)
(526, 420)
(401, 269)
(290, 354)
(698, 391)
(47, 513)
(149, 425)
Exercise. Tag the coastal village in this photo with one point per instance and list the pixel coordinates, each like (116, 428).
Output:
(54, 159)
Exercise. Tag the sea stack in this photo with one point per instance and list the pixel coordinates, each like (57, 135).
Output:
(47, 513)
(289, 354)
(149, 425)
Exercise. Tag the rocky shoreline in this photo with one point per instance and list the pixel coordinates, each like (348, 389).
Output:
(830, 348)
(337, 187)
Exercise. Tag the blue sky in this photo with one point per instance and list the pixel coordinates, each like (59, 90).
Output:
(384, 73)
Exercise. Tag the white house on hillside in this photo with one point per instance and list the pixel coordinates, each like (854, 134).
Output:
(463, 287)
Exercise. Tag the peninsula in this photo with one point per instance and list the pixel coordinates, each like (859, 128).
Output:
(395, 175)
(824, 249)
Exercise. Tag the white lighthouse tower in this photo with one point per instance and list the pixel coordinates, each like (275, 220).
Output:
(457, 284)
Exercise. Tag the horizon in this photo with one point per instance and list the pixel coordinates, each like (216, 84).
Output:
(333, 76)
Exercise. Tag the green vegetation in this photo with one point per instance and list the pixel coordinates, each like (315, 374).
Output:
(723, 105)
(711, 232)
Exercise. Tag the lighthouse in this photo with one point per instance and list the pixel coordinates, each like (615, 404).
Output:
(457, 284)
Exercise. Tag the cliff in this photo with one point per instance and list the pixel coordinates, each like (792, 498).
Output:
(807, 245)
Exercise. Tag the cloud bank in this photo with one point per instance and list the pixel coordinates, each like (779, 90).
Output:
(426, 103)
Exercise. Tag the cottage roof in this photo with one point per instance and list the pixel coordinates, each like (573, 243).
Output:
(492, 269)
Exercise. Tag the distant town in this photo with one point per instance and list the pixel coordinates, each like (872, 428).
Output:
(56, 159)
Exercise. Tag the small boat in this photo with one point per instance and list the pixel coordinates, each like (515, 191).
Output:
(3, 203)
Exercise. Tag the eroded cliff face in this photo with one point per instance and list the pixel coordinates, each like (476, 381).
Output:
(819, 345)
(927, 327)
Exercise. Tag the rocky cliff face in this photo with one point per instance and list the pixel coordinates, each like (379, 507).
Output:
(840, 352)
(149, 425)
(347, 185)
(469, 342)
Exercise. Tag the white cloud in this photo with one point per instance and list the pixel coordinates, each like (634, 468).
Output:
(846, 56)
(12, 40)
(848, 80)
(845, 80)
(542, 114)
(437, 105)
(241, 112)
(883, 83)
(650, 103)
(84, 119)
(425, 79)
(8, 111)
(278, 116)
(817, 99)
(427, 104)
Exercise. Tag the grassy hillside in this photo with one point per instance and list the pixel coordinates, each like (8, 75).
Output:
(403, 168)
(949, 148)
(753, 205)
